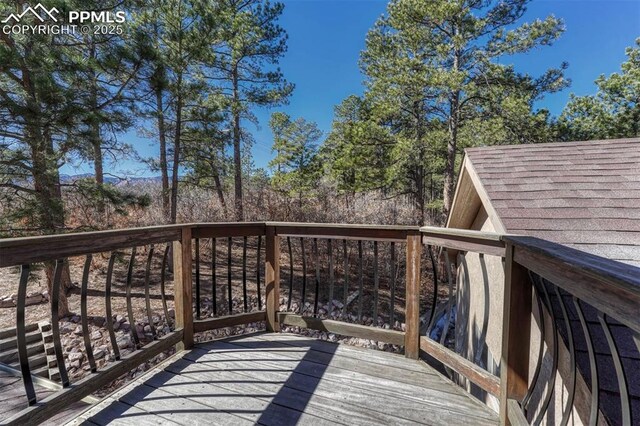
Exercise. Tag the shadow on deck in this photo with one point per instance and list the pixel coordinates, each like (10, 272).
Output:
(285, 379)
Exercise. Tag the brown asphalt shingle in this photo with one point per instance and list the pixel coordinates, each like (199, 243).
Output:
(582, 194)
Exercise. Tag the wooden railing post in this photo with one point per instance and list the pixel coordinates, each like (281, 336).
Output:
(183, 287)
(516, 334)
(272, 278)
(412, 309)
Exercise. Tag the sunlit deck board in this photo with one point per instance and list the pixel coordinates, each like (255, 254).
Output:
(279, 379)
(13, 399)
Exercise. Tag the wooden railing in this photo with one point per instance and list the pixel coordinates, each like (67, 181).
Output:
(582, 295)
(351, 280)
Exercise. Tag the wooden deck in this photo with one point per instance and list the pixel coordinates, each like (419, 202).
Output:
(284, 379)
(13, 399)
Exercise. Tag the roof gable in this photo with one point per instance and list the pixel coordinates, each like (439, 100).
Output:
(582, 194)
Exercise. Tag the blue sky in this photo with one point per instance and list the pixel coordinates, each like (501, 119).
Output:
(326, 37)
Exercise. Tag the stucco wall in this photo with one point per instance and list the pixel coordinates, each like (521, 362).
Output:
(480, 280)
(480, 293)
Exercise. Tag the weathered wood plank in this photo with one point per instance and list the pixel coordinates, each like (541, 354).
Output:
(228, 321)
(92, 382)
(393, 337)
(261, 402)
(609, 286)
(463, 239)
(461, 365)
(516, 416)
(18, 251)
(338, 349)
(344, 231)
(184, 411)
(119, 413)
(183, 287)
(516, 330)
(228, 230)
(412, 304)
(322, 380)
(361, 373)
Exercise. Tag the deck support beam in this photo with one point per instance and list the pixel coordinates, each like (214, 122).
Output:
(183, 288)
(412, 310)
(516, 331)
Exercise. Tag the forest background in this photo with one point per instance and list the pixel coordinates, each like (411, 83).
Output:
(191, 81)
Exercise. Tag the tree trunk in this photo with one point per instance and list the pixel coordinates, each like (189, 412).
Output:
(176, 153)
(449, 170)
(46, 182)
(237, 154)
(163, 154)
(96, 142)
(49, 214)
(96, 146)
(454, 125)
(219, 191)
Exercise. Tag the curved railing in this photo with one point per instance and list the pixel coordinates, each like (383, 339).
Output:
(397, 285)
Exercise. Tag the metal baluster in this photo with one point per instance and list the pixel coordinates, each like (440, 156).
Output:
(434, 302)
(163, 270)
(55, 326)
(625, 402)
(392, 272)
(554, 367)
(376, 283)
(593, 364)
(360, 281)
(572, 362)
(290, 274)
(346, 277)
(447, 264)
(317, 265)
(214, 293)
(244, 274)
(331, 274)
(21, 336)
(258, 264)
(229, 292)
(83, 314)
(107, 297)
(197, 265)
(132, 323)
(487, 304)
(304, 275)
(536, 375)
(147, 275)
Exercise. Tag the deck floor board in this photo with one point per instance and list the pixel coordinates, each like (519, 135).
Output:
(284, 379)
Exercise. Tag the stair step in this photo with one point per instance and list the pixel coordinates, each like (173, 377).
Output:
(54, 374)
(44, 327)
(12, 342)
(12, 355)
(11, 332)
(41, 372)
(34, 362)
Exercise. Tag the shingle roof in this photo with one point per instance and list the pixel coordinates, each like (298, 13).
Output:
(581, 194)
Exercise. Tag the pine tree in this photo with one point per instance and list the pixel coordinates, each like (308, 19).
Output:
(432, 68)
(245, 65)
(613, 112)
(295, 166)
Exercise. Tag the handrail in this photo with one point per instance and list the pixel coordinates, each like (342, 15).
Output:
(612, 288)
(609, 286)
(464, 240)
